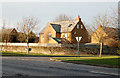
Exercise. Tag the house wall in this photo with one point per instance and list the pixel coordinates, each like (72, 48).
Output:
(41, 40)
(46, 35)
(95, 38)
(79, 32)
(68, 36)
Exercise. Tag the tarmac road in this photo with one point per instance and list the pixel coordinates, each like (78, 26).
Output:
(42, 66)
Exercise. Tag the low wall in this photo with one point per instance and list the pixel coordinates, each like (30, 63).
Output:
(59, 49)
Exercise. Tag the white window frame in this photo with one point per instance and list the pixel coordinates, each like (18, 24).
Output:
(50, 35)
(66, 35)
(77, 26)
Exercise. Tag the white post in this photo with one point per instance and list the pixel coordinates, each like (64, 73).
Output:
(78, 40)
(78, 48)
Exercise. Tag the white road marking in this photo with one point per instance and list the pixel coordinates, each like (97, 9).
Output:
(104, 73)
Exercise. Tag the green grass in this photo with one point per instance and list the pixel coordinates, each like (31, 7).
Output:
(10, 53)
(109, 61)
(19, 54)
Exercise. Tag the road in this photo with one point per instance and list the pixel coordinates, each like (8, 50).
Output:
(42, 66)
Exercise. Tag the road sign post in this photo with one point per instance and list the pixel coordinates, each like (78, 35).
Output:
(78, 40)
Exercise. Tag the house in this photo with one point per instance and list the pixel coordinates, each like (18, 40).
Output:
(64, 32)
(105, 34)
(8, 35)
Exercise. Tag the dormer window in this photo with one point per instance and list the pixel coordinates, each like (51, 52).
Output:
(77, 26)
(69, 25)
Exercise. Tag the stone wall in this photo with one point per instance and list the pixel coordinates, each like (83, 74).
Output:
(57, 49)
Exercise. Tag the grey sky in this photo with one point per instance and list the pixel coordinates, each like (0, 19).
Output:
(13, 12)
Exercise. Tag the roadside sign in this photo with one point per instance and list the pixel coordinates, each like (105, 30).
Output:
(78, 39)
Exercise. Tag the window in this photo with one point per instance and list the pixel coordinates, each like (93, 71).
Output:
(81, 26)
(50, 35)
(70, 25)
(43, 36)
(74, 32)
(65, 35)
(77, 26)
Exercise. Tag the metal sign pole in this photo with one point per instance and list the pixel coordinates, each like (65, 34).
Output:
(78, 40)
(78, 48)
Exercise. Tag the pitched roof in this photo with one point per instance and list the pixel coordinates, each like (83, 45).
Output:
(43, 30)
(57, 27)
(65, 25)
(111, 32)
(6, 31)
(61, 26)
(59, 40)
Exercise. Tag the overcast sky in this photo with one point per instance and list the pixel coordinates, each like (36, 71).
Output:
(12, 12)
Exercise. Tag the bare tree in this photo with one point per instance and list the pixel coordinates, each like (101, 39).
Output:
(4, 23)
(102, 21)
(26, 26)
(114, 16)
(62, 17)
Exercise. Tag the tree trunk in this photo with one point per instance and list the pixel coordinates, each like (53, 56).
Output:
(100, 50)
(27, 43)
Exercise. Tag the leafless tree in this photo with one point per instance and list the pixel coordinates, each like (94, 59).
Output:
(103, 20)
(4, 23)
(27, 25)
(62, 17)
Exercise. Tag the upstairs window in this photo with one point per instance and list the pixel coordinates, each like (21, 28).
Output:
(50, 35)
(77, 26)
(43, 36)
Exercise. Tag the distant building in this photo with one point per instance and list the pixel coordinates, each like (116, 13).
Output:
(107, 33)
(64, 32)
(7, 33)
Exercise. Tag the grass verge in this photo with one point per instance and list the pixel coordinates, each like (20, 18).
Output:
(10, 53)
(107, 61)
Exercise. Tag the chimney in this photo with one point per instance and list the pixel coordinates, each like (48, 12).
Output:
(78, 18)
(100, 26)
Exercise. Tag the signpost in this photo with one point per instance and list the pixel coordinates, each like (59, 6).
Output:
(78, 40)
